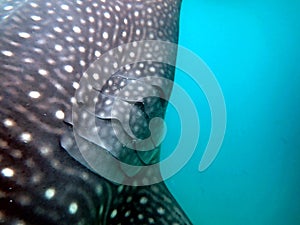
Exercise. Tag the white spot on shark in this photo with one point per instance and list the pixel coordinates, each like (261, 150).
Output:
(143, 200)
(73, 208)
(75, 85)
(113, 213)
(97, 53)
(7, 53)
(24, 35)
(43, 72)
(161, 210)
(36, 18)
(105, 35)
(107, 15)
(68, 68)
(59, 114)
(77, 29)
(8, 8)
(8, 122)
(127, 213)
(65, 7)
(58, 47)
(34, 94)
(26, 137)
(8, 172)
(50, 193)
(58, 29)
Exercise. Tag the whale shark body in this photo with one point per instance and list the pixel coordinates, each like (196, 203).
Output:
(45, 47)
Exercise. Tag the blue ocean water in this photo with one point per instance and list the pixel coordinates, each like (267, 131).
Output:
(253, 48)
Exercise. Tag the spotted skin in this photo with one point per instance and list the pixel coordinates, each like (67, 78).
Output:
(45, 46)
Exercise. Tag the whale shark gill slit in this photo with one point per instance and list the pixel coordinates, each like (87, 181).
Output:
(45, 47)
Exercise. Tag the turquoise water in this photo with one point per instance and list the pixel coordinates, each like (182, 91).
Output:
(253, 49)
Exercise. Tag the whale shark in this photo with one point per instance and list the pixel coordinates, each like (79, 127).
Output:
(45, 48)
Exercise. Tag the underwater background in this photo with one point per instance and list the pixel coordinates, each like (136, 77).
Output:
(253, 48)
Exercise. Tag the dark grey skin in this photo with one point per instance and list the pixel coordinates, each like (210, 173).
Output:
(45, 46)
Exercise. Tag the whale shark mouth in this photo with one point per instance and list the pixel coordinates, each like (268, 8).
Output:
(45, 47)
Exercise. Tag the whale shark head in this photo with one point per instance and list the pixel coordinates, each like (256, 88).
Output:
(45, 48)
